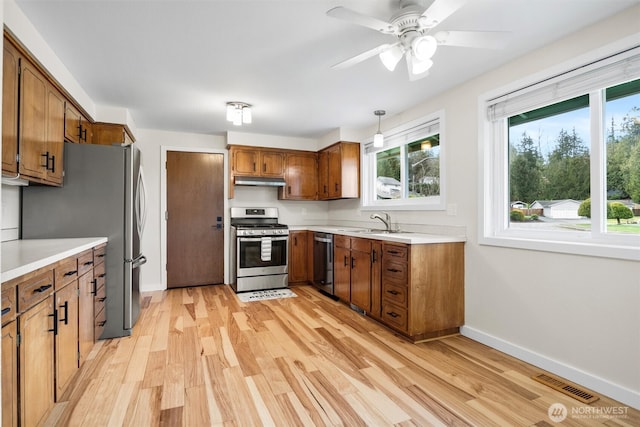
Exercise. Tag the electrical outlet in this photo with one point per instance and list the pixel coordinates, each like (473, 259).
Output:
(452, 209)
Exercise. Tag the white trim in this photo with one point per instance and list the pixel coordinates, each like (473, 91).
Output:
(163, 205)
(595, 383)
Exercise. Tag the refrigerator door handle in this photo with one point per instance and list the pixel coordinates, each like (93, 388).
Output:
(141, 203)
(137, 261)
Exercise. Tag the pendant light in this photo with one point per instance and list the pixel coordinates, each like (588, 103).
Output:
(378, 138)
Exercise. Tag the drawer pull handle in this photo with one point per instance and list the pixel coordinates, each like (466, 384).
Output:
(394, 252)
(394, 270)
(6, 310)
(392, 314)
(102, 323)
(41, 289)
(88, 263)
(102, 275)
(100, 255)
(103, 299)
(94, 288)
(394, 292)
(66, 313)
(70, 273)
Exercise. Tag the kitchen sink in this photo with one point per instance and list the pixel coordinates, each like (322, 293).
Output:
(374, 231)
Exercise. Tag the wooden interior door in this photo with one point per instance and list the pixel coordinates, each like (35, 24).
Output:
(195, 219)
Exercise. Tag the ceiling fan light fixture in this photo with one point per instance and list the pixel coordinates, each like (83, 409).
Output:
(424, 47)
(418, 66)
(378, 138)
(391, 57)
(239, 113)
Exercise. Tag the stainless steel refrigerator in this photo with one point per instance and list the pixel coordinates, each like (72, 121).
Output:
(102, 195)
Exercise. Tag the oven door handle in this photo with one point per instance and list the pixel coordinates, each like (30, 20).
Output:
(258, 238)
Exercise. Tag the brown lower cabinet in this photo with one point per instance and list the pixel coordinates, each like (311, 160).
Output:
(48, 324)
(416, 290)
(299, 256)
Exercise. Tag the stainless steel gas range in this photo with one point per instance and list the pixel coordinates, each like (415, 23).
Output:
(259, 250)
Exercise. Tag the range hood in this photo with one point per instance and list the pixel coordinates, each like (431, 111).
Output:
(264, 181)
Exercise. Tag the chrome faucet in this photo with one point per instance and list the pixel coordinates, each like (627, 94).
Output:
(386, 220)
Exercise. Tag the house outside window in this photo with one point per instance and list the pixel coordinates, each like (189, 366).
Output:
(561, 161)
(407, 172)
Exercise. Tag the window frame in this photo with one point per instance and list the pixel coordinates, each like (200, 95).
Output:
(396, 137)
(493, 191)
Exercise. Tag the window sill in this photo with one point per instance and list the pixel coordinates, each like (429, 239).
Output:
(591, 248)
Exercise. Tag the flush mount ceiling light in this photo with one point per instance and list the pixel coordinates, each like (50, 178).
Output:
(239, 113)
(378, 138)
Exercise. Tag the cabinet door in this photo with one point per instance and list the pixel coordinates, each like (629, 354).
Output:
(298, 256)
(55, 135)
(10, 83)
(342, 273)
(86, 315)
(33, 129)
(72, 130)
(10, 374)
(272, 164)
(323, 175)
(36, 362)
(361, 279)
(66, 341)
(245, 162)
(301, 177)
(335, 172)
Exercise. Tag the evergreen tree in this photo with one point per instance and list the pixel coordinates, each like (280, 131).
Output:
(526, 171)
(568, 170)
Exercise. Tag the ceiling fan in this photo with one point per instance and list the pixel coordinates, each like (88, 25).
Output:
(413, 26)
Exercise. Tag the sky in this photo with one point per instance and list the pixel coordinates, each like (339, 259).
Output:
(546, 131)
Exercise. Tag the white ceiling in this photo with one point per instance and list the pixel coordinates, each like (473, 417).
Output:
(175, 63)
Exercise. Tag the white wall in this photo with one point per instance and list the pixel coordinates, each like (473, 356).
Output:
(575, 315)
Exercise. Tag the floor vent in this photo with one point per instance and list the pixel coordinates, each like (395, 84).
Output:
(566, 388)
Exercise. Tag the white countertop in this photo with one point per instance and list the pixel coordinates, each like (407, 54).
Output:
(23, 256)
(399, 237)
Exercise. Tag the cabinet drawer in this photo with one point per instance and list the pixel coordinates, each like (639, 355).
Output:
(32, 291)
(99, 254)
(395, 293)
(66, 272)
(8, 305)
(85, 262)
(101, 320)
(361, 245)
(396, 252)
(394, 271)
(99, 299)
(342, 241)
(394, 315)
(99, 273)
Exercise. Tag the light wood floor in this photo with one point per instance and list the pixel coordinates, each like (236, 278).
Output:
(200, 357)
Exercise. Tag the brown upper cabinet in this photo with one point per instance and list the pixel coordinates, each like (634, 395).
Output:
(32, 121)
(111, 133)
(339, 171)
(77, 128)
(300, 176)
(252, 161)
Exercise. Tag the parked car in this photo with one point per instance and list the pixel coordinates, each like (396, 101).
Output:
(388, 188)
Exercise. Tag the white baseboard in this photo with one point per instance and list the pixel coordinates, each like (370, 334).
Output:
(597, 384)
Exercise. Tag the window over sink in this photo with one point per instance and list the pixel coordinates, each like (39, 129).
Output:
(406, 172)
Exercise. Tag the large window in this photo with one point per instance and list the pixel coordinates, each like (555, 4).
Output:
(406, 172)
(561, 162)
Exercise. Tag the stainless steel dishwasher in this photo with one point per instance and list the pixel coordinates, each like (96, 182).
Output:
(323, 262)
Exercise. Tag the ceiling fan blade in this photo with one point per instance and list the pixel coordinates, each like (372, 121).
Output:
(477, 39)
(364, 55)
(439, 11)
(360, 19)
